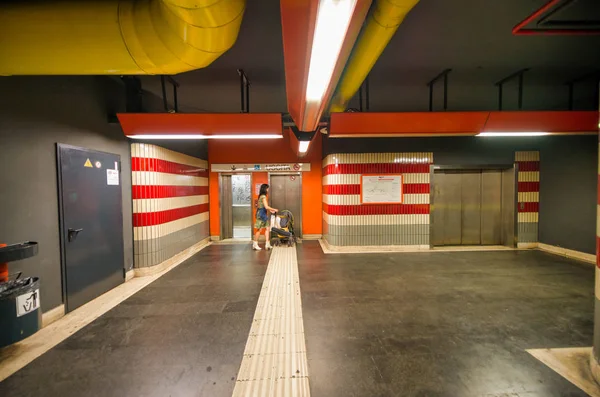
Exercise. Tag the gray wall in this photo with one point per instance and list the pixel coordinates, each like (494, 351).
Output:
(568, 175)
(35, 114)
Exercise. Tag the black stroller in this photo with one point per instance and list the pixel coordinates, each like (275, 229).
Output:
(282, 229)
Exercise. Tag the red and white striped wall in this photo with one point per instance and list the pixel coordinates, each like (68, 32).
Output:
(346, 222)
(528, 195)
(170, 203)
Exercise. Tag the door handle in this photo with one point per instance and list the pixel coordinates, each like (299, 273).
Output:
(72, 234)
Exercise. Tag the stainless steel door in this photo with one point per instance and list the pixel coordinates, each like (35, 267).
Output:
(471, 208)
(241, 206)
(509, 203)
(226, 208)
(491, 207)
(446, 220)
(286, 194)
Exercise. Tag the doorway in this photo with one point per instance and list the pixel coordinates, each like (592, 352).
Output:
(473, 207)
(91, 223)
(236, 207)
(286, 194)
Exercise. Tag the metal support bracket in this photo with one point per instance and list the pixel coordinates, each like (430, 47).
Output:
(244, 91)
(594, 76)
(518, 74)
(175, 85)
(364, 86)
(443, 75)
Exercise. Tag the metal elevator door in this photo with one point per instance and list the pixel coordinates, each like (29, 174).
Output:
(467, 208)
(226, 207)
(286, 193)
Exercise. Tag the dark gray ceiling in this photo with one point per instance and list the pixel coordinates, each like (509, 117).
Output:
(473, 37)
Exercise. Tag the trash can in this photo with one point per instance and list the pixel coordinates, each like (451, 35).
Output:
(20, 313)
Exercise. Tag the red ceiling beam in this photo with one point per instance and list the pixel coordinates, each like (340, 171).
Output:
(371, 125)
(208, 124)
(520, 29)
(298, 19)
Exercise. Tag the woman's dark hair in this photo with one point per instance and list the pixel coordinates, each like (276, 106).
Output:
(263, 189)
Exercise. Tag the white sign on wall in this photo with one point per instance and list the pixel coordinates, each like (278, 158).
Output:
(276, 167)
(381, 189)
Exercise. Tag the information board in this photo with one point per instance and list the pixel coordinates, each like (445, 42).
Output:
(381, 189)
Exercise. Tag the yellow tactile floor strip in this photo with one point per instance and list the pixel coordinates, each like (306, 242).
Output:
(274, 362)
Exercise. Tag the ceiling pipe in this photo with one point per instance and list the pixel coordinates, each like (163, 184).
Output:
(116, 37)
(380, 25)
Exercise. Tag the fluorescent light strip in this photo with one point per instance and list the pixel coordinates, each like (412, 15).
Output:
(333, 19)
(200, 136)
(303, 146)
(517, 134)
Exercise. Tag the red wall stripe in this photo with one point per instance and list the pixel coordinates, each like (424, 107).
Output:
(376, 209)
(160, 217)
(164, 166)
(150, 191)
(376, 168)
(529, 207)
(526, 187)
(528, 166)
(410, 188)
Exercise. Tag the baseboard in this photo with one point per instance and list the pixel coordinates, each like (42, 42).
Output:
(572, 254)
(177, 259)
(366, 249)
(527, 245)
(129, 275)
(311, 237)
(53, 315)
(215, 238)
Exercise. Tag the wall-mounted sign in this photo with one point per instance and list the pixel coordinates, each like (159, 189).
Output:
(272, 167)
(381, 189)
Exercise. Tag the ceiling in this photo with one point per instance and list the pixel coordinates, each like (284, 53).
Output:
(473, 37)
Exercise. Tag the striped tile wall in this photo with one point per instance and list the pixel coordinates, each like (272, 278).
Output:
(170, 203)
(529, 195)
(346, 222)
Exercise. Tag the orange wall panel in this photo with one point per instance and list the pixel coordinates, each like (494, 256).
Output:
(269, 151)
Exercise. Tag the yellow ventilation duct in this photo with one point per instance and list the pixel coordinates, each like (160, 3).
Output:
(119, 37)
(382, 22)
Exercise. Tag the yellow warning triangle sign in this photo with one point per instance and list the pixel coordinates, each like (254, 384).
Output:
(88, 164)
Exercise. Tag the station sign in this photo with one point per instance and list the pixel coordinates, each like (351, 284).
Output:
(272, 167)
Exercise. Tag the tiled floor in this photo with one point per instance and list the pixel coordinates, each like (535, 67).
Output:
(392, 324)
(441, 324)
(183, 335)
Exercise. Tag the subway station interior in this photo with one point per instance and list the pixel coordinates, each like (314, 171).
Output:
(281, 198)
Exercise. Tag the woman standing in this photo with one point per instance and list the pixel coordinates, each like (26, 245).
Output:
(262, 217)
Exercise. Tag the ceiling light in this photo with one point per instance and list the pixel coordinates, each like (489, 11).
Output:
(517, 134)
(200, 136)
(333, 19)
(303, 146)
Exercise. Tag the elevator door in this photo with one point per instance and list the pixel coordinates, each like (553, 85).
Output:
(236, 207)
(467, 208)
(286, 193)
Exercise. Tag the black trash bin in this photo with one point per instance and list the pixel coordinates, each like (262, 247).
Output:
(20, 313)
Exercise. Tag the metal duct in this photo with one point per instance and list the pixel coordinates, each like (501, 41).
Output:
(380, 25)
(115, 37)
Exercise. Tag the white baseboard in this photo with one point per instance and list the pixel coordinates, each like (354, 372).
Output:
(215, 238)
(53, 315)
(527, 245)
(129, 275)
(177, 259)
(370, 249)
(572, 254)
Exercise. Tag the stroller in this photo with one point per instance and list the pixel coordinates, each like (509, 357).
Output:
(282, 229)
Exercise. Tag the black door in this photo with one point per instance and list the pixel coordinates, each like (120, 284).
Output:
(91, 223)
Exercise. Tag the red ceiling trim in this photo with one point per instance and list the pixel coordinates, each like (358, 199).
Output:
(520, 29)
(200, 123)
(460, 123)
